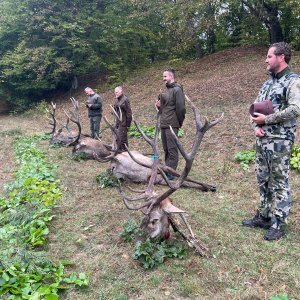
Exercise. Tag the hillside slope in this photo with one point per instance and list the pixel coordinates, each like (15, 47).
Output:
(89, 219)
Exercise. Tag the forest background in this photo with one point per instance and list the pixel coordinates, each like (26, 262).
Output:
(46, 45)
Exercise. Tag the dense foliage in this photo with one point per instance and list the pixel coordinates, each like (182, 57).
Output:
(26, 272)
(49, 45)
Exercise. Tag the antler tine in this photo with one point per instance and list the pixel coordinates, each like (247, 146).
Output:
(77, 122)
(146, 138)
(115, 133)
(136, 160)
(52, 114)
(119, 117)
(104, 159)
(126, 199)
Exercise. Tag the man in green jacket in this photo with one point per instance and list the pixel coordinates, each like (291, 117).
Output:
(171, 106)
(94, 105)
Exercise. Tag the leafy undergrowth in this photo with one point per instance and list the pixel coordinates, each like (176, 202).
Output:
(295, 159)
(25, 270)
(151, 252)
(88, 221)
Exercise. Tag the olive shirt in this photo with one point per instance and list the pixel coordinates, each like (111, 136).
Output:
(96, 108)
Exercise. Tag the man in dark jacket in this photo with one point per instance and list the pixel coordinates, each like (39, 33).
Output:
(171, 106)
(123, 109)
(94, 105)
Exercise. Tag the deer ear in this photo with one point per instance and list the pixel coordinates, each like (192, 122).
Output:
(170, 208)
(59, 131)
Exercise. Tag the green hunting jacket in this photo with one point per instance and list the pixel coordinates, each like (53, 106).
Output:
(172, 106)
(96, 108)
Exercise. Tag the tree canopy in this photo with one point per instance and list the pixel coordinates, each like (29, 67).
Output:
(44, 44)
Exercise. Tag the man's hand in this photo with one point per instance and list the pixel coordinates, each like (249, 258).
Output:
(259, 119)
(259, 132)
(157, 103)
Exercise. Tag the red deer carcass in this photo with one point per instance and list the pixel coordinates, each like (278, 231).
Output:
(59, 136)
(81, 143)
(157, 207)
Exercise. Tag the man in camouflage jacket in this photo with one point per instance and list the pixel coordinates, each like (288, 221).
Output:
(171, 106)
(275, 135)
(94, 105)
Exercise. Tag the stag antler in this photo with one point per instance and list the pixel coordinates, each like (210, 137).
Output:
(152, 200)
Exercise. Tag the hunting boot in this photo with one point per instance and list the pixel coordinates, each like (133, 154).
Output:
(258, 221)
(275, 232)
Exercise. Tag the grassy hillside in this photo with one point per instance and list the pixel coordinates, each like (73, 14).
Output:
(89, 219)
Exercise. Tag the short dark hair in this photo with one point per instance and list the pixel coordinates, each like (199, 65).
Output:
(171, 70)
(282, 48)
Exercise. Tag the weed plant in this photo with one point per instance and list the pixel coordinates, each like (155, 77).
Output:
(295, 158)
(107, 179)
(245, 157)
(151, 252)
(25, 270)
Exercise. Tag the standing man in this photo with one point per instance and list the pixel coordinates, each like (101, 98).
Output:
(123, 109)
(171, 106)
(275, 134)
(94, 105)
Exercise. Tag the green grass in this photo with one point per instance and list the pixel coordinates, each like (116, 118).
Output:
(242, 265)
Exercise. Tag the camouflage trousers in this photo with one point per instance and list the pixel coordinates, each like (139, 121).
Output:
(272, 170)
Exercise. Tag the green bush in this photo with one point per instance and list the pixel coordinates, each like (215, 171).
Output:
(295, 158)
(25, 214)
(245, 157)
(153, 252)
(107, 179)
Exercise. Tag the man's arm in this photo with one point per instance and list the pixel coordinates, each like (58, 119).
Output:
(180, 105)
(293, 109)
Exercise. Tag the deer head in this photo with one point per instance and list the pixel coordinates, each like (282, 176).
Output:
(156, 206)
(58, 136)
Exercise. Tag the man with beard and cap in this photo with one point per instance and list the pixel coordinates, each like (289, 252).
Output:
(171, 105)
(275, 134)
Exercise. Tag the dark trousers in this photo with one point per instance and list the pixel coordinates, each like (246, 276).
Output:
(95, 126)
(170, 148)
(122, 132)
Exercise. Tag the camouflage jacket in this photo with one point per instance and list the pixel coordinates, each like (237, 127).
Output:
(283, 89)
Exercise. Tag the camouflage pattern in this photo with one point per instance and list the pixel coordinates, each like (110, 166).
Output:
(273, 151)
(284, 92)
(272, 169)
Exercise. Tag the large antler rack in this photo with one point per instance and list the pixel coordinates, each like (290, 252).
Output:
(152, 199)
(74, 116)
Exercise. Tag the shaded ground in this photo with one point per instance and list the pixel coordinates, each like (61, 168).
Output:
(89, 219)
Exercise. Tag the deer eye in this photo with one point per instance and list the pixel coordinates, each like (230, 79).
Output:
(154, 221)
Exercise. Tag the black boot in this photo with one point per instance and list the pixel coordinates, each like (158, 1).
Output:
(258, 221)
(274, 234)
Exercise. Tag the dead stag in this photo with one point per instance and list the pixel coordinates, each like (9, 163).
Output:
(157, 207)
